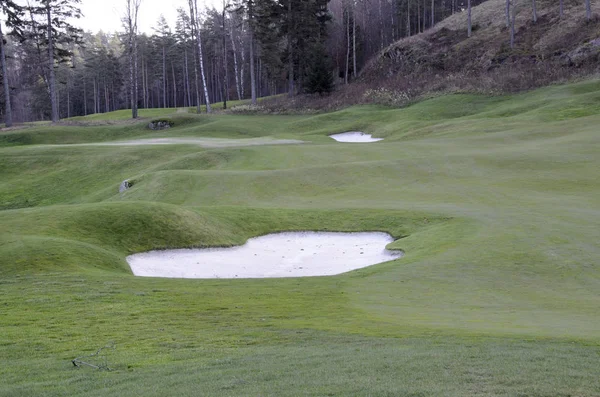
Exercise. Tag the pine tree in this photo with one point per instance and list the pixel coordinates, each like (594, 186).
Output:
(319, 79)
(164, 40)
(50, 26)
(13, 21)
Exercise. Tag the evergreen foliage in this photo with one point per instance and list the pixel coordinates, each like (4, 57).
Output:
(319, 78)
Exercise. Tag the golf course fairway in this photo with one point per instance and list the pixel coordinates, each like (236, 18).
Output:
(495, 202)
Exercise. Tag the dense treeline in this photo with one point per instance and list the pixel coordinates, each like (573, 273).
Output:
(250, 49)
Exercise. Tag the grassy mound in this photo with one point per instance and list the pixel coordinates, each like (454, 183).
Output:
(493, 200)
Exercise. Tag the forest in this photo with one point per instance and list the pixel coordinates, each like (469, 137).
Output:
(246, 50)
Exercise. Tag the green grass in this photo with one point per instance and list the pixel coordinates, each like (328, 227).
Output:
(495, 202)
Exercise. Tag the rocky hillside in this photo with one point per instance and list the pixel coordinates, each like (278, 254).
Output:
(443, 58)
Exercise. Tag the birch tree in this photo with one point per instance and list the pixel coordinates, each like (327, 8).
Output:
(196, 31)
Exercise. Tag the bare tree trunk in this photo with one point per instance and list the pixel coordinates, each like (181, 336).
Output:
(8, 110)
(225, 76)
(95, 97)
(347, 44)
(164, 77)
(196, 83)
(235, 66)
(144, 83)
(588, 10)
(114, 95)
(215, 80)
(408, 31)
(562, 8)
(290, 50)
(432, 13)
(147, 92)
(512, 25)
(508, 13)
(131, 83)
(187, 80)
(131, 17)
(106, 98)
(85, 112)
(68, 99)
(252, 73)
(354, 68)
(381, 27)
(419, 27)
(534, 10)
(135, 96)
(51, 72)
(259, 77)
(174, 85)
(194, 18)
(242, 69)
(469, 26)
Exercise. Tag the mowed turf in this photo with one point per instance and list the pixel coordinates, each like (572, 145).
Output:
(495, 201)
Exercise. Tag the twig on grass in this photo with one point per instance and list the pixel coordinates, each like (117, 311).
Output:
(78, 362)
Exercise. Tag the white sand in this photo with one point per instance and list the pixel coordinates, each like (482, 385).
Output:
(298, 254)
(203, 142)
(355, 137)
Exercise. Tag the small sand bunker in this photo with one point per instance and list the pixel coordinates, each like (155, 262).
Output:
(298, 254)
(203, 142)
(355, 137)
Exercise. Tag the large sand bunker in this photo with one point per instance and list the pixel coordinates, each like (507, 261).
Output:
(354, 137)
(297, 254)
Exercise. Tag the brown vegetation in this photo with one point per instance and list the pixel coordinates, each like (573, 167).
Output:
(444, 59)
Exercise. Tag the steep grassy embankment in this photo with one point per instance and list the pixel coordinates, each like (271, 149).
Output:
(495, 201)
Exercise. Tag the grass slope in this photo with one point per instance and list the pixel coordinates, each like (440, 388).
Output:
(493, 199)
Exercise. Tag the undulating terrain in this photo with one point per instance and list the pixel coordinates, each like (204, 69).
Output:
(494, 200)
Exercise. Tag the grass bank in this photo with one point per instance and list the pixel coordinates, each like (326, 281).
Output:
(493, 199)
